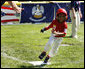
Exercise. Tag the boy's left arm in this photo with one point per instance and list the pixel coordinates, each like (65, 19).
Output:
(60, 33)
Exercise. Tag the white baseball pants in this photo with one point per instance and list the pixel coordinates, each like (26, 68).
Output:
(75, 23)
(53, 43)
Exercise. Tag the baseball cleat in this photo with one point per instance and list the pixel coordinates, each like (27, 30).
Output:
(42, 55)
(46, 59)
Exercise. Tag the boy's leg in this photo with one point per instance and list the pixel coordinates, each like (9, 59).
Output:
(41, 56)
(49, 44)
(55, 46)
(54, 49)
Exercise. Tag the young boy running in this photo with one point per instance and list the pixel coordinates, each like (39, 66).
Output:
(59, 28)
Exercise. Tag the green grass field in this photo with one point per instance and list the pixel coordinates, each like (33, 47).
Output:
(22, 43)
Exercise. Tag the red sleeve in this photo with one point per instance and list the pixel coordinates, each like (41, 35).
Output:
(65, 28)
(66, 25)
(50, 26)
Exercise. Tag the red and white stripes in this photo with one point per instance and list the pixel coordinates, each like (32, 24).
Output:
(10, 15)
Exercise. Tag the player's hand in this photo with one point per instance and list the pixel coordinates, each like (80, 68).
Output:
(42, 31)
(53, 30)
(74, 17)
(80, 15)
(18, 9)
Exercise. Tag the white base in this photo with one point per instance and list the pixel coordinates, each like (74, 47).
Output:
(38, 63)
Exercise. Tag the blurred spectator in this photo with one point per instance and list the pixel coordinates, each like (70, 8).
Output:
(13, 5)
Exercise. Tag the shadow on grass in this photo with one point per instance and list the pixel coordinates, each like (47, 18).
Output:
(31, 66)
(46, 37)
(67, 37)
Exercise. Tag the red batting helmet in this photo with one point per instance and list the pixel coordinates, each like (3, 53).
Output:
(61, 11)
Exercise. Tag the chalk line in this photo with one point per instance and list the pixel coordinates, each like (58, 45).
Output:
(34, 63)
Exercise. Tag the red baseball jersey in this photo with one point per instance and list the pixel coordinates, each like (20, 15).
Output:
(59, 27)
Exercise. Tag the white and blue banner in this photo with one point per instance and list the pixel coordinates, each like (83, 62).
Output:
(37, 13)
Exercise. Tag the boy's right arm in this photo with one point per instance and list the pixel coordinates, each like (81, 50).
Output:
(46, 28)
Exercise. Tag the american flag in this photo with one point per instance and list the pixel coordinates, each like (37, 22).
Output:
(8, 15)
